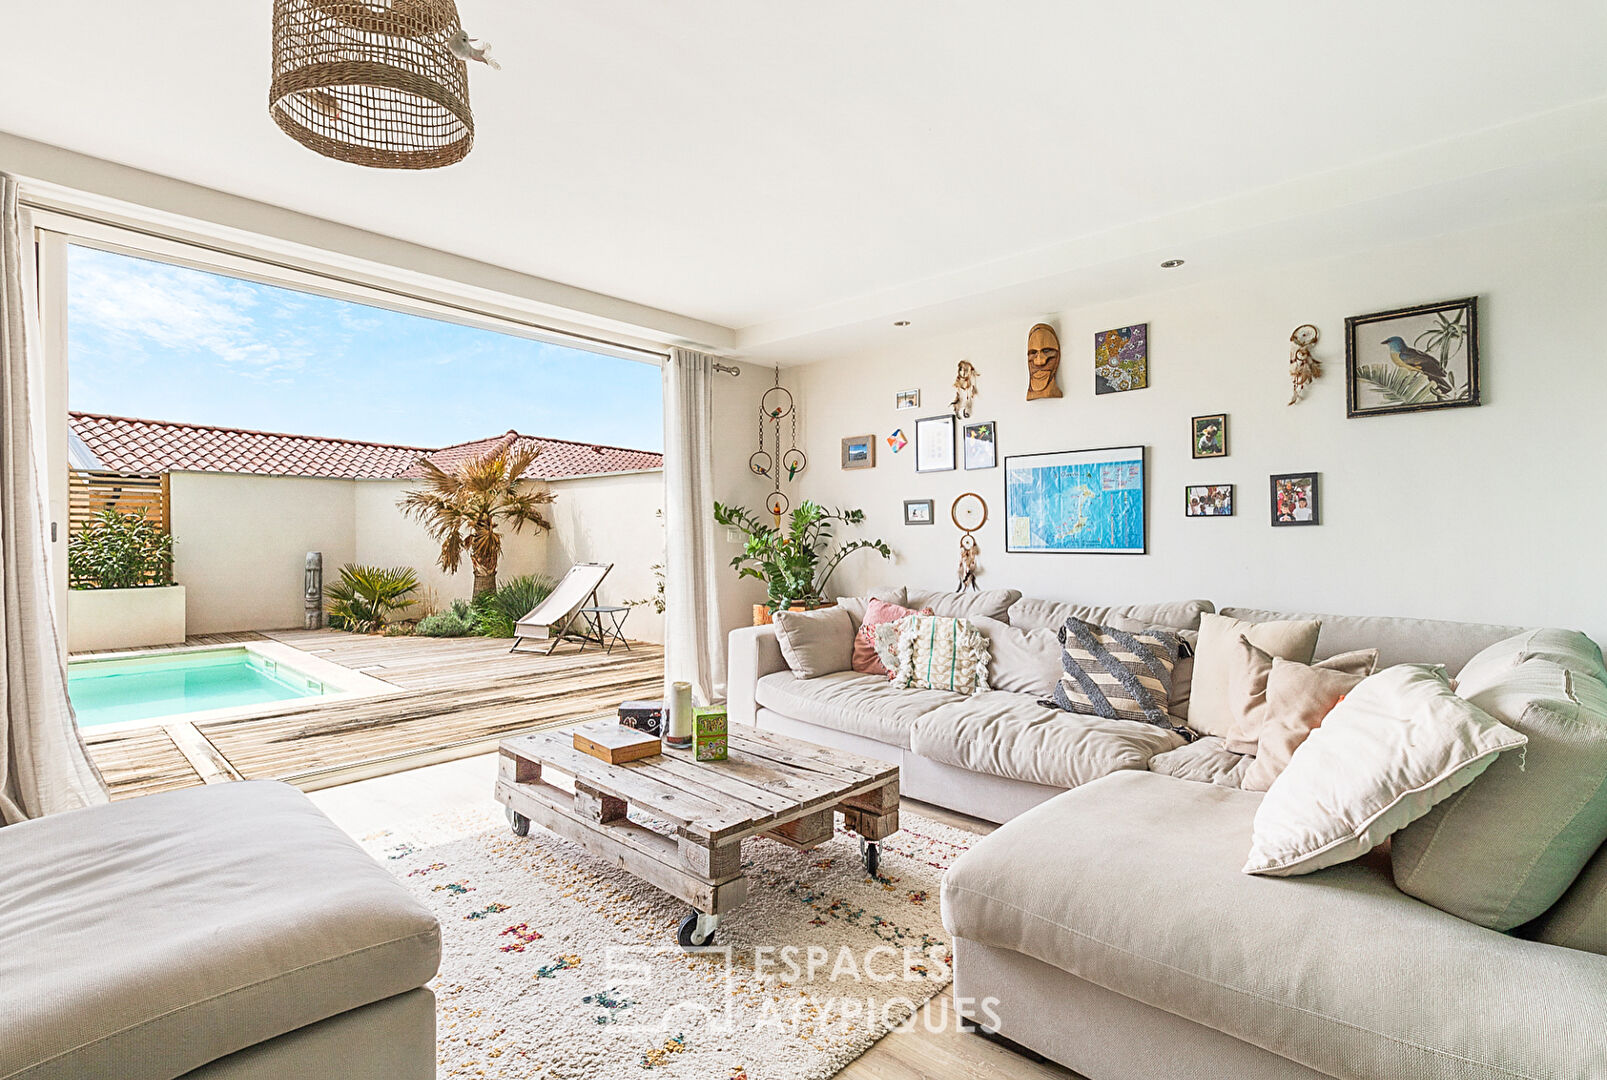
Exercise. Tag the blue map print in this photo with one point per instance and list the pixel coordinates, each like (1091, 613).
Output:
(1097, 506)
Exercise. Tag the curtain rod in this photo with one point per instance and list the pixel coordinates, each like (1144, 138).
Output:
(216, 249)
(727, 368)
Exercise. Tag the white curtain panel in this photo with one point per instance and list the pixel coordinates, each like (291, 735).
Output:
(693, 645)
(44, 767)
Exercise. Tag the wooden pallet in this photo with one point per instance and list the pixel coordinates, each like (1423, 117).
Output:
(770, 786)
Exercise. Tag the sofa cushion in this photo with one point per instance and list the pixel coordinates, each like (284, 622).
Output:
(1206, 760)
(855, 605)
(1013, 736)
(1032, 614)
(1398, 641)
(1021, 661)
(1579, 919)
(993, 603)
(1299, 697)
(1505, 848)
(1217, 655)
(1399, 743)
(867, 650)
(1247, 688)
(849, 701)
(145, 938)
(1119, 674)
(1132, 882)
(817, 642)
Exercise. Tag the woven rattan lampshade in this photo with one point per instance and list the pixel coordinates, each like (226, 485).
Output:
(371, 82)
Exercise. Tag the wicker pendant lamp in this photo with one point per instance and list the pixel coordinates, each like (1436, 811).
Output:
(372, 82)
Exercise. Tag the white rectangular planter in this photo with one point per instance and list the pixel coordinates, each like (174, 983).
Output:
(124, 618)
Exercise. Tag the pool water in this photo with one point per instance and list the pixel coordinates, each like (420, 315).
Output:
(144, 688)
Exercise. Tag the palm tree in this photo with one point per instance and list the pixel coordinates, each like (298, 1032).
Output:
(463, 510)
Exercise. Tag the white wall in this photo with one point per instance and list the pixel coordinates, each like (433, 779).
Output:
(613, 519)
(240, 545)
(1492, 513)
(736, 415)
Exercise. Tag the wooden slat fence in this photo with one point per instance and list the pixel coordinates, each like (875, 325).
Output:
(88, 493)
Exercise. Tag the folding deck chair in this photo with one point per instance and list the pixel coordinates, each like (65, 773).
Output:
(555, 616)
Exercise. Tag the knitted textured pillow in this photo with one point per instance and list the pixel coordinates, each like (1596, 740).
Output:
(936, 653)
(1118, 674)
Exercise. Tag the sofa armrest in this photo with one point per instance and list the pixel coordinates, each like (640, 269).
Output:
(754, 653)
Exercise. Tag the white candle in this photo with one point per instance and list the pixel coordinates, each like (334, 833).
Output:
(680, 728)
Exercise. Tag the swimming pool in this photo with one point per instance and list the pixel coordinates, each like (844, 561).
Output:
(218, 683)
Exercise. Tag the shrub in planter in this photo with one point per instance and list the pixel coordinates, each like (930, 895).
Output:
(456, 621)
(119, 551)
(366, 596)
(496, 613)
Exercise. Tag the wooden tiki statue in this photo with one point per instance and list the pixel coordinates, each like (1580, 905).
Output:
(1043, 362)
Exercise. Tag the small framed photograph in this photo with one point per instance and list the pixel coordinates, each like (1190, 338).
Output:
(1211, 435)
(1413, 359)
(1294, 499)
(907, 399)
(918, 512)
(934, 443)
(859, 452)
(1208, 500)
(981, 445)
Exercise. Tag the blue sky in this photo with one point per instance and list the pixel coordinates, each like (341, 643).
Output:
(163, 342)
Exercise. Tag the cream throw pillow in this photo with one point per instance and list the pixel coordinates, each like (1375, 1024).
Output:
(1299, 698)
(1400, 742)
(1216, 654)
(936, 653)
(1247, 689)
(816, 643)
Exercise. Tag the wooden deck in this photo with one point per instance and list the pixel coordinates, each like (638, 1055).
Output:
(454, 697)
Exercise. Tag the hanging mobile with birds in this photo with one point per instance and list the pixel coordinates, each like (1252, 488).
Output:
(775, 406)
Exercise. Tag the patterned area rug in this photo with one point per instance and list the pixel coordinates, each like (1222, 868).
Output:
(558, 965)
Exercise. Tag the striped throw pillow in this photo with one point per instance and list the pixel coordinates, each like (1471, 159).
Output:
(935, 653)
(1118, 674)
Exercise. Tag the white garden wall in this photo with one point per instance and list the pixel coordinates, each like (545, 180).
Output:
(240, 542)
(1489, 513)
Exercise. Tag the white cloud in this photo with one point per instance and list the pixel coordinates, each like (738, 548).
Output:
(140, 307)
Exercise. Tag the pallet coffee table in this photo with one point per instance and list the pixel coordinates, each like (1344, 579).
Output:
(771, 786)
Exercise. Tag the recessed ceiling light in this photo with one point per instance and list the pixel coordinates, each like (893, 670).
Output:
(902, 322)
(1171, 264)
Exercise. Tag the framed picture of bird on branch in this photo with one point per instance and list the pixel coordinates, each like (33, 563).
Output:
(1412, 359)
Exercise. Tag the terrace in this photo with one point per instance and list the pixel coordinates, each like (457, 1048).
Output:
(453, 698)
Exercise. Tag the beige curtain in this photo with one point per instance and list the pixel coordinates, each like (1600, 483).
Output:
(693, 647)
(44, 767)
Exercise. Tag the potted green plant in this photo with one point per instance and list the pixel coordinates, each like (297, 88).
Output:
(121, 591)
(795, 562)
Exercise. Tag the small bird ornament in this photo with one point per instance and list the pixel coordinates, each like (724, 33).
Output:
(465, 47)
(1439, 380)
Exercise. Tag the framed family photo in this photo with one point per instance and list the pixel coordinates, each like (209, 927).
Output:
(934, 443)
(918, 512)
(1294, 499)
(1413, 359)
(859, 452)
(1208, 500)
(907, 399)
(1210, 435)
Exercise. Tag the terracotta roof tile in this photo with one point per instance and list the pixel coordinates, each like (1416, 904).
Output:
(127, 444)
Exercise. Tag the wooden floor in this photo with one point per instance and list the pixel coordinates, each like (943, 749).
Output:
(454, 697)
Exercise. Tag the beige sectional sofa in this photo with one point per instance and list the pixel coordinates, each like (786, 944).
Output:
(1108, 924)
(230, 932)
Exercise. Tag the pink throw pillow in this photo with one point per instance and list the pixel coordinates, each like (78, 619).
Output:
(877, 612)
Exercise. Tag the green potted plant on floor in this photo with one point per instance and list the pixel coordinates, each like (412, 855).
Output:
(797, 561)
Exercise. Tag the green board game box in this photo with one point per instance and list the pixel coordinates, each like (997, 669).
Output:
(709, 732)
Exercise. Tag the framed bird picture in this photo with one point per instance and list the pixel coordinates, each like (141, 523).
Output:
(1412, 359)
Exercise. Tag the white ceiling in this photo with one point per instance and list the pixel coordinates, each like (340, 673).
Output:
(807, 172)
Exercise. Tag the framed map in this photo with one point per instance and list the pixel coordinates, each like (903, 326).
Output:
(1087, 501)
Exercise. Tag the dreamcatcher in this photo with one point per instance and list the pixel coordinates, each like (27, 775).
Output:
(775, 406)
(970, 513)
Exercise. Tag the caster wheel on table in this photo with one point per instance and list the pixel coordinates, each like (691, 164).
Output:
(696, 930)
(518, 822)
(870, 852)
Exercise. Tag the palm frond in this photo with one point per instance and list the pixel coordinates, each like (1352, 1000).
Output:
(1396, 385)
